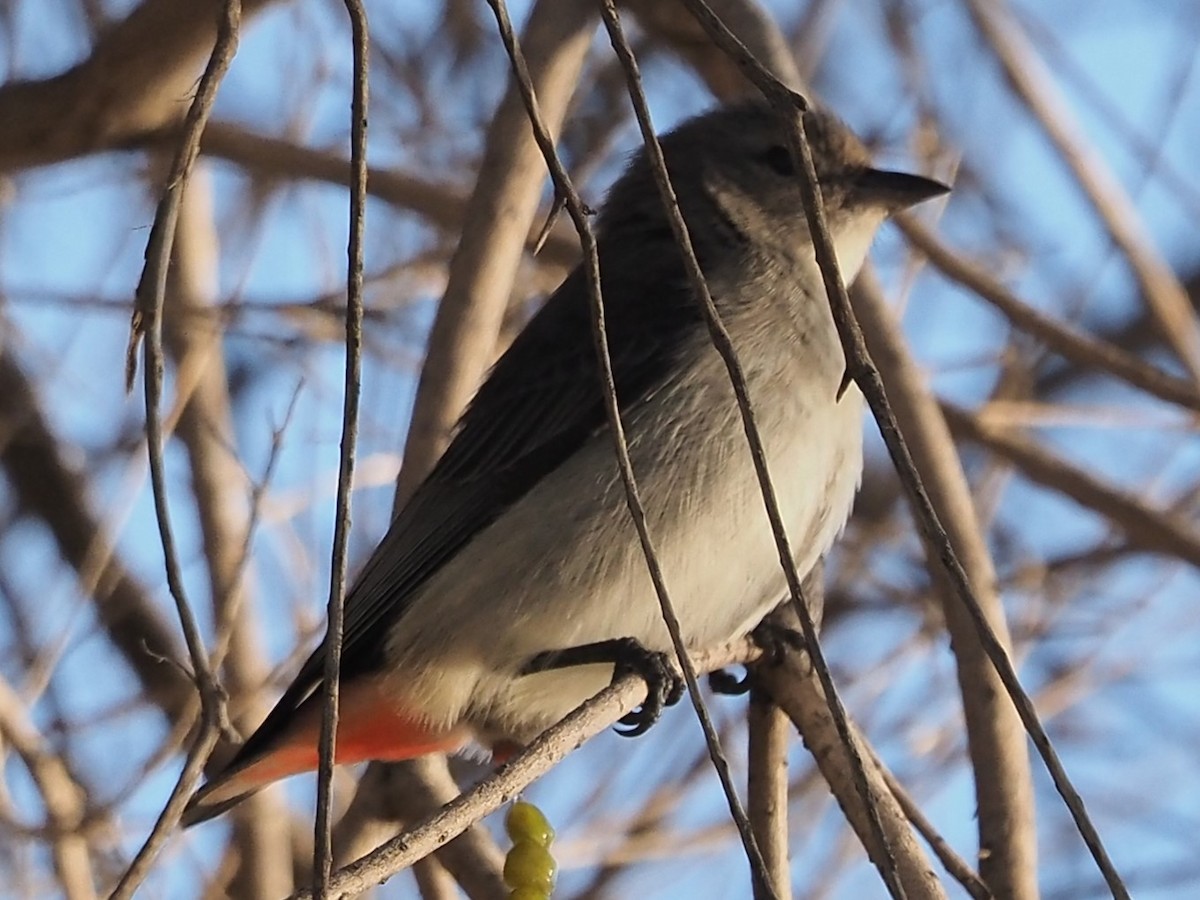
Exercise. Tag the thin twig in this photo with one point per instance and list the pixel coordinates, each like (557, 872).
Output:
(959, 869)
(63, 797)
(227, 618)
(591, 266)
(207, 433)
(789, 103)
(322, 836)
(1079, 347)
(462, 342)
(996, 743)
(859, 365)
(1167, 301)
(794, 686)
(1152, 530)
(549, 749)
(206, 739)
(493, 228)
(147, 322)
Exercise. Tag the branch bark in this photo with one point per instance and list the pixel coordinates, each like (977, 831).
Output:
(1152, 530)
(995, 738)
(543, 754)
(795, 688)
(138, 77)
(462, 343)
(54, 491)
(192, 335)
(1003, 783)
(767, 788)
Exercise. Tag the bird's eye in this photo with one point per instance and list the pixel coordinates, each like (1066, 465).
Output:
(779, 158)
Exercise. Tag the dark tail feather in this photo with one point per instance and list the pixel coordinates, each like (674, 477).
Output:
(198, 811)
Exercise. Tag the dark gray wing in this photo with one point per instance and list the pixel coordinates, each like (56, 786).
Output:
(541, 402)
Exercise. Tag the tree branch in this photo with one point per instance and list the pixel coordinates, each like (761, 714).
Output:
(554, 745)
(139, 77)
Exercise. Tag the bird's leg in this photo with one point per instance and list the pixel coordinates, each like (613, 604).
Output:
(627, 656)
(774, 641)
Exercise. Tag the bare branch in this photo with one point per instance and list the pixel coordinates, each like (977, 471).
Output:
(999, 758)
(322, 836)
(591, 268)
(594, 716)
(63, 796)
(767, 787)
(1026, 73)
(499, 215)
(1079, 348)
(164, 827)
(147, 321)
(205, 429)
(496, 222)
(860, 366)
(951, 861)
(1157, 531)
(148, 313)
(823, 244)
(794, 686)
(137, 78)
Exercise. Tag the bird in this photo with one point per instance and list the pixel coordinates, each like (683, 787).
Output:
(512, 587)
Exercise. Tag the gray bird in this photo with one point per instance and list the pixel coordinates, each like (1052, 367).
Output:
(512, 583)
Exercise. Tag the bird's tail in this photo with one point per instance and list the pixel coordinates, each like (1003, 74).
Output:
(370, 727)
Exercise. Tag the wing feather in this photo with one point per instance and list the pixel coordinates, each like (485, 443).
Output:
(540, 403)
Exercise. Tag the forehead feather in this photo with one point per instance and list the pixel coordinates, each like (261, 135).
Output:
(731, 140)
(751, 127)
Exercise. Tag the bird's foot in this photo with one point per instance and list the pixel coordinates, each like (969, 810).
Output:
(664, 686)
(774, 641)
(722, 681)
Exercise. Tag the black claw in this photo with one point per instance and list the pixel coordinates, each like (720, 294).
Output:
(775, 640)
(722, 681)
(636, 722)
(664, 686)
(847, 380)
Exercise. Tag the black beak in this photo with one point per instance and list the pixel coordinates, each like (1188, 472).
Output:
(893, 191)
